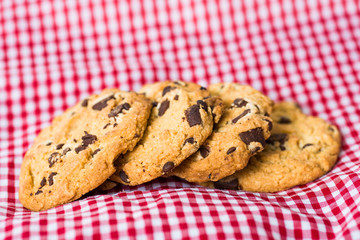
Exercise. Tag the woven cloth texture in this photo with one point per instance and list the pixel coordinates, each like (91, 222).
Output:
(54, 53)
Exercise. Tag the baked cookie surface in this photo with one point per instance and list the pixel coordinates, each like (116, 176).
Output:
(181, 119)
(301, 149)
(240, 133)
(75, 153)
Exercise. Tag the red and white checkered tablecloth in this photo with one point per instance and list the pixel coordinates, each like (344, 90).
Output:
(54, 53)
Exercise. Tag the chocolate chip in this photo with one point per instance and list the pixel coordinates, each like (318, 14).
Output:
(307, 145)
(115, 124)
(241, 116)
(106, 125)
(266, 114)
(202, 88)
(54, 157)
(202, 104)
(279, 137)
(204, 151)
(118, 109)
(49, 191)
(189, 140)
(231, 185)
(163, 107)
(176, 97)
(126, 106)
(123, 176)
(239, 102)
(38, 192)
(103, 103)
(51, 178)
(168, 167)
(85, 102)
(270, 125)
(31, 194)
(95, 152)
(284, 120)
(43, 182)
(80, 148)
(87, 139)
(231, 150)
(59, 146)
(167, 89)
(49, 143)
(253, 135)
(136, 135)
(75, 140)
(154, 104)
(256, 149)
(193, 116)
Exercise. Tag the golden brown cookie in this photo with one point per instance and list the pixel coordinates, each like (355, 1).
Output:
(301, 149)
(181, 120)
(241, 133)
(75, 154)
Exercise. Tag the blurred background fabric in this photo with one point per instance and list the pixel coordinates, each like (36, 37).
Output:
(54, 53)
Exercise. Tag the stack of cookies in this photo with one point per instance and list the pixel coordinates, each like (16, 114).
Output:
(228, 136)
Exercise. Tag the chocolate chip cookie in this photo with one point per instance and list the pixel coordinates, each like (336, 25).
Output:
(301, 149)
(181, 119)
(240, 134)
(75, 154)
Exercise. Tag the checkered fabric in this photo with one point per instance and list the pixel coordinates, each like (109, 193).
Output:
(54, 53)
